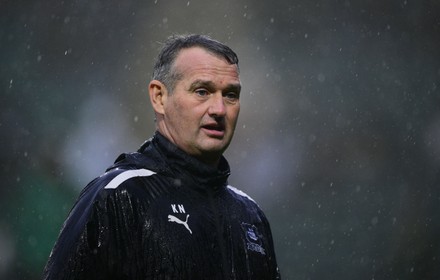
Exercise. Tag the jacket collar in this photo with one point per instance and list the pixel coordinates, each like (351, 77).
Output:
(171, 160)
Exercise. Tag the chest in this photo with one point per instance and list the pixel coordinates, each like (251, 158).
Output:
(202, 234)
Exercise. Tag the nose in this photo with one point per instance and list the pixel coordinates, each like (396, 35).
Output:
(217, 107)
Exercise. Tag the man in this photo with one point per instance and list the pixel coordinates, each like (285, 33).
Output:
(167, 211)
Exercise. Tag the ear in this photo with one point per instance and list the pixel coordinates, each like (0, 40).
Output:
(158, 95)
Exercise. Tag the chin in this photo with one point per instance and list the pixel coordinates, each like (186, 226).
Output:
(214, 145)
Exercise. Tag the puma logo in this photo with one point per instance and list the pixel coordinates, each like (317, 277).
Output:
(171, 218)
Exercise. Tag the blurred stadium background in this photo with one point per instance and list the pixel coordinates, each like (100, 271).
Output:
(338, 138)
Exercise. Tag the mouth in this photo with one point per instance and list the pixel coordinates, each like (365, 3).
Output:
(214, 129)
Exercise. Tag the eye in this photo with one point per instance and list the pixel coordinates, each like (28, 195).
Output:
(201, 92)
(232, 96)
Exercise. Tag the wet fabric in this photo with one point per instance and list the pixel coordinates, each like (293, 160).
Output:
(161, 214)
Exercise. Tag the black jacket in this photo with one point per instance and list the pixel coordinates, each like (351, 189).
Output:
(161, 214)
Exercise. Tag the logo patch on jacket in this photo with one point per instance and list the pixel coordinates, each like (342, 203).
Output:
(179, 209)
(253, 238)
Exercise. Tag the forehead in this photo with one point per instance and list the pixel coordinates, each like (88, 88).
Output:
(197, 61)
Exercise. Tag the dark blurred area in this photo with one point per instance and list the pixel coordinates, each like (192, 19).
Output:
(338, 138)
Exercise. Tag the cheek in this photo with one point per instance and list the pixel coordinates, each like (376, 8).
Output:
(183, 115)
(233, 114)
(237, 111)
(173, 116)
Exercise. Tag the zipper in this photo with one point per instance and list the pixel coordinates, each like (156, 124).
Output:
(220, 239)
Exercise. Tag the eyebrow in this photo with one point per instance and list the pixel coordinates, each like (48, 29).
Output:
(233, 88)
(211, 86)
(201, 83)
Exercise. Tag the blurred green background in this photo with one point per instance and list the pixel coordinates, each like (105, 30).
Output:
(338, 138)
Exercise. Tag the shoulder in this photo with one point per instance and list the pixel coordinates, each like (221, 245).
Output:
(239, 194)
(248, 206)
(113, 181)
(120, 177)
(109, 192)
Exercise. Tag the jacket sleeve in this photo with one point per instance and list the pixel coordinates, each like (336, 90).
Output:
(275, 272)
(82, 248)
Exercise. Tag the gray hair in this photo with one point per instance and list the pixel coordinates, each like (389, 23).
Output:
(163, 69)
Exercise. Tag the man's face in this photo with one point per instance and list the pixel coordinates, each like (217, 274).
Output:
(201, 113)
